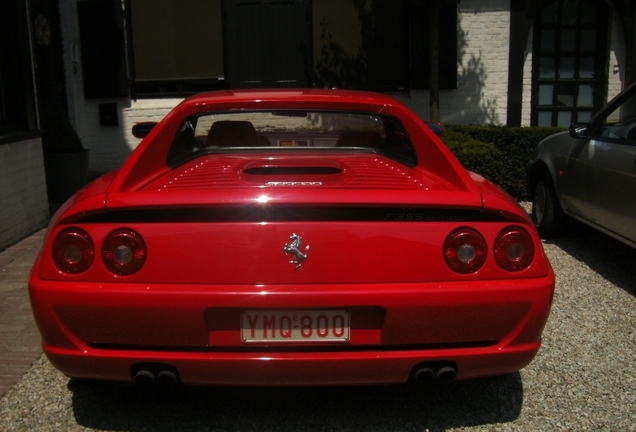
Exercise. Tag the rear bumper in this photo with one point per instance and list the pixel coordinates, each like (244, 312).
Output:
(288, 369)
(104, 331)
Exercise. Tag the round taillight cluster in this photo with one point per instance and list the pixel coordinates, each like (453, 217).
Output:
(123, 251)
(465, 250)
(514, 249)
(73, 251)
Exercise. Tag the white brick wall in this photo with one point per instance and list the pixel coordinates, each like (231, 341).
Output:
(110, 146)
(23, 202)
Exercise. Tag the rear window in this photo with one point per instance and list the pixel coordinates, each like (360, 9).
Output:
(291, 130)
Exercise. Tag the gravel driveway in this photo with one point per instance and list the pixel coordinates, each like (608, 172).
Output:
(584, 378)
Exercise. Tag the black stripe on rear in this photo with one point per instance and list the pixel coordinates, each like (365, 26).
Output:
(293, 214)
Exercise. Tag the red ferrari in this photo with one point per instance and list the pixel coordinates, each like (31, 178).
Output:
(290, 237)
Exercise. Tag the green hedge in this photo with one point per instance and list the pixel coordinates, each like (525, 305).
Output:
(498, 153)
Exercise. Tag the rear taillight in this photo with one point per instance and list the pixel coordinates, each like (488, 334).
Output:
(514, 249)
(124, 252)
(465, 250)
(73, 250)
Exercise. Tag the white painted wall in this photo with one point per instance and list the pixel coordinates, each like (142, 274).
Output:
(527, 83)
(23, 202)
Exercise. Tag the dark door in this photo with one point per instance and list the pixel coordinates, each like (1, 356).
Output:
(267, 43)
(48, 59)
(569, 61)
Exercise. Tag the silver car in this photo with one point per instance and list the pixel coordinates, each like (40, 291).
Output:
(589, 173)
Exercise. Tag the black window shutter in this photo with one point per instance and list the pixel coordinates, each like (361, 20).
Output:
(102, 48)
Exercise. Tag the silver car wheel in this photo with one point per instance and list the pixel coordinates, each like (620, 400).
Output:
(547, 214)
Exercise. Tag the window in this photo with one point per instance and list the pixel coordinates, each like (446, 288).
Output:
(381, 45)
(267, 43)
(177, 46)
(292, 130)
(569, 61)
(620, 123)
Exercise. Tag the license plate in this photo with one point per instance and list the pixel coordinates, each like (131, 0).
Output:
(330, 325)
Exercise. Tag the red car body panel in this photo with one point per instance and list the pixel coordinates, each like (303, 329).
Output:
(215, 228)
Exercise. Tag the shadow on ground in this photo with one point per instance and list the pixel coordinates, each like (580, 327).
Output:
(613, 260)
(105, 406)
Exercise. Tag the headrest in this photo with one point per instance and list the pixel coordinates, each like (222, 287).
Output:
(230, 133)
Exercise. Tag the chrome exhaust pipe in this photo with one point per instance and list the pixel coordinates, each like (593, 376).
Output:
(446, 374)
(144, 378)
(166, 379)
(424, 375)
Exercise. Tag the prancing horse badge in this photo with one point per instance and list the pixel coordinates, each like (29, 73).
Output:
(294, 248)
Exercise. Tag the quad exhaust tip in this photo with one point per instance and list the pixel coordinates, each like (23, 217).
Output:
(155, 375)
(426, 373)
(166, 376)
